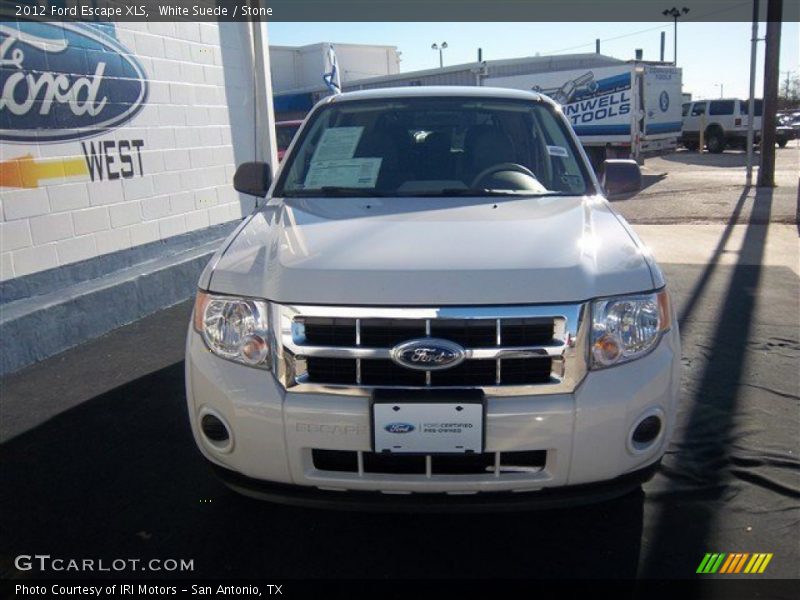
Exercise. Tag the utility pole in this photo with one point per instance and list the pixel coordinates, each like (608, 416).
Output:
(766, 171)
(751, 106)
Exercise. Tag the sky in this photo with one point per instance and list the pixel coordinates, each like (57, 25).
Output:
(715, 57)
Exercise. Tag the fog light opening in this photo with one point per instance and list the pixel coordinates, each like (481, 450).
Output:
(646, 432)
(215, 431)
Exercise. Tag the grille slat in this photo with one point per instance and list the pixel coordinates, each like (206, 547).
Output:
(343, 371)
(330, 332)
(470, 372)
(346, 461)
(385, 372)
(526, 332)
(470, 333)
(340, 371)
(385, 333)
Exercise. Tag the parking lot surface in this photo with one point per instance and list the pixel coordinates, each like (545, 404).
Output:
(687, 187)
(98, 458)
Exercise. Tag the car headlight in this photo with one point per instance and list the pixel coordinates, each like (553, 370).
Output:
(234, 328)
(625, 328)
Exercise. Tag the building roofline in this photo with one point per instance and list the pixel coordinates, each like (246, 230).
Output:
(464, 67)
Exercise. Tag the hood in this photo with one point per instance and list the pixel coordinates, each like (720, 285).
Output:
(432, 251)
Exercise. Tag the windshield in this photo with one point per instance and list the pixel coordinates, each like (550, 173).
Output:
(434, 147)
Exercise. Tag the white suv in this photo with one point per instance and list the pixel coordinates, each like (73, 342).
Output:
(723, 123)
(435, 307)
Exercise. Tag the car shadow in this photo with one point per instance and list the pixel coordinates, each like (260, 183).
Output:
(119, 476)
(648, 180)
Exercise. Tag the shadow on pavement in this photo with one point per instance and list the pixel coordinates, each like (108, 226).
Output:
(119, 476)
(651, 180)
(713, 454)
(727, 159)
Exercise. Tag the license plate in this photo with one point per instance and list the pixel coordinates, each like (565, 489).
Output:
(428, 427)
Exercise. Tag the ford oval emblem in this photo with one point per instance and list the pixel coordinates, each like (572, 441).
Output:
(399, 428)
(65, 81)
(428, 354)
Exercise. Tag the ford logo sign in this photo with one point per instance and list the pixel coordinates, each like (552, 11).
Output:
(399, 428)
(65, 81)
(428, 354)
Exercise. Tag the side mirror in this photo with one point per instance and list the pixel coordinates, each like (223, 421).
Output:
(253, 178)
(621, 177)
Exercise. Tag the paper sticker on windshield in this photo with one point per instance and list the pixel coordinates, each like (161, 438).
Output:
(557, 151)
(338, 143)
(356, 172)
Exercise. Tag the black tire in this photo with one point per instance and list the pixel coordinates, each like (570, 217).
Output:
(782, 143)
(691, 146)
(715, 142)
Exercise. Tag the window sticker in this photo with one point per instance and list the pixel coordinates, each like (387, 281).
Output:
(355, 172)
(557, 151)
(338, 143)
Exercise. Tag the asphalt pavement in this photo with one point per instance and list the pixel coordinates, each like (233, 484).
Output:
(98, 459)
(688, 187)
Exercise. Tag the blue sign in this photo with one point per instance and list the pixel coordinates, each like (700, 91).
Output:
(65, 81)
(399, 428)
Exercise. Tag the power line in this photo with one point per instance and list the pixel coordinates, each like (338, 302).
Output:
(659, 27)
(619, 37)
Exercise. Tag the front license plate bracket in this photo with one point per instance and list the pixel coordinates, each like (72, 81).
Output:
(428, 422)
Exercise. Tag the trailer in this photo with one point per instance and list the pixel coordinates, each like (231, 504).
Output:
(632, 110)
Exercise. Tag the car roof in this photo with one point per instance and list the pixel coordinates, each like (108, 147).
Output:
(429, 91)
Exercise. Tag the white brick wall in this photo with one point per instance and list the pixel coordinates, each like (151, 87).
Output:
(191, 139)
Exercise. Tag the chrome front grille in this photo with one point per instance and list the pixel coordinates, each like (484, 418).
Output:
(510, 350)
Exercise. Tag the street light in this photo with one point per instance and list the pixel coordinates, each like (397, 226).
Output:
(436, 46)
(674, 12)
(721, 89)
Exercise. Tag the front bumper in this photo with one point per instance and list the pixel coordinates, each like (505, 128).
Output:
(563, 497)
(586, 433)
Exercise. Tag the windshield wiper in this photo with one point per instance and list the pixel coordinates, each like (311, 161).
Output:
(478, 193)
(335, 191)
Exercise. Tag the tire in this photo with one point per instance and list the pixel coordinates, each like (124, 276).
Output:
(782, 143)
(691, 146)
(715, 142)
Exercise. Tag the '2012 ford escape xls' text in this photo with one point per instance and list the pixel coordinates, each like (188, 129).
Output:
(434, 307)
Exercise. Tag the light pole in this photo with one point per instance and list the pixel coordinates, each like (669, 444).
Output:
(440, 48)
(721, 89)
(675, 12)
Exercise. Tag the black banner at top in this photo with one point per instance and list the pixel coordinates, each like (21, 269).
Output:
(387, 10)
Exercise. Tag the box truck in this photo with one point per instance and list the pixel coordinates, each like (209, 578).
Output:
(630, 110)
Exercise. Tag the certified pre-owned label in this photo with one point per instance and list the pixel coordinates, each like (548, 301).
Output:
(445, 427)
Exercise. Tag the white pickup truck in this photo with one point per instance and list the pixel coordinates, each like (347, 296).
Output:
(434, 308)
